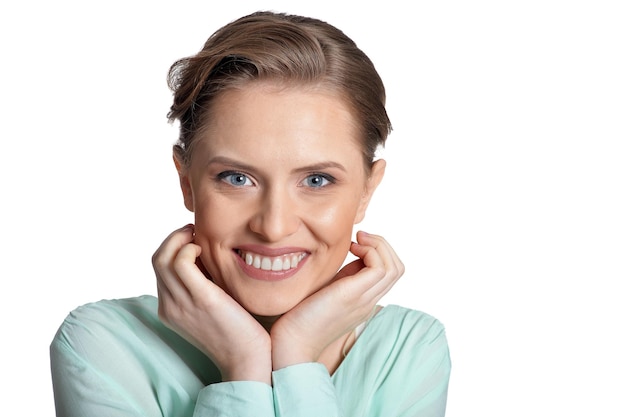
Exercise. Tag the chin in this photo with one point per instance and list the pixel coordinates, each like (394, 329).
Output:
(268, 307)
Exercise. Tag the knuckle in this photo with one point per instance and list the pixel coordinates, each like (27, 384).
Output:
(399, 267)
(159, 263)
(156, 259)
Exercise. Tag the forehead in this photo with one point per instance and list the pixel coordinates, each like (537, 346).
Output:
(277, 92)
(283, 118)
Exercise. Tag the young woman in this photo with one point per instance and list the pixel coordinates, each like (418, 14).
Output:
(280, 118)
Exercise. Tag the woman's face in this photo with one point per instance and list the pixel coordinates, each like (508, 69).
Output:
(276, 182)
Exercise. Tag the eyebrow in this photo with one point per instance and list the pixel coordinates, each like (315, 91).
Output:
(247, 167)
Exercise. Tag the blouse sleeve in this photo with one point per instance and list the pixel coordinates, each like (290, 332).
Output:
(417, 384)
(235, 399)
(304, 390)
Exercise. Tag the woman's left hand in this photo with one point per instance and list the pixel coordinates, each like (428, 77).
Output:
(302, 334)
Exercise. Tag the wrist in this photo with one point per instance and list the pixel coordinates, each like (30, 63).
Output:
(253, 369)
(255, 365)
(289, 353)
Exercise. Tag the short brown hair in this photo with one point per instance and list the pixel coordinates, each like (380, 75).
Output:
(278, 47)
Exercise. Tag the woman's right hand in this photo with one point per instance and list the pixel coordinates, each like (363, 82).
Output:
(205, 315)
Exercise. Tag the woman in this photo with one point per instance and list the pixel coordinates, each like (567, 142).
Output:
(280, 118)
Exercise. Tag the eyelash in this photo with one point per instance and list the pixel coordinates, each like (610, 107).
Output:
(329, 178)
(222, 176)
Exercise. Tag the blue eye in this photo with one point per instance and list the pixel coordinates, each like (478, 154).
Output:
(318, 180)
(236, 179)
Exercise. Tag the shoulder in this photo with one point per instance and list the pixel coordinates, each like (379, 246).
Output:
(406, 322)
(120, 335)
(399, 334)
(413, 338)
(115, 314)
(135, 306)
(402, 363)
(98, 326)
(144, 306)
(118, 350)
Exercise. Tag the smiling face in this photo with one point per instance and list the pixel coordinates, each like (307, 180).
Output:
(276, 182)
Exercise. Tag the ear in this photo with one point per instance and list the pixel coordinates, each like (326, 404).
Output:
(185, 184)
(376, 176)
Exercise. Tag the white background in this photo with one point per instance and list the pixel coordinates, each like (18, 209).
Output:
(505, 192)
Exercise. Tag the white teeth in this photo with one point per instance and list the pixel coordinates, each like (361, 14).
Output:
(266, 264)
(278, 263)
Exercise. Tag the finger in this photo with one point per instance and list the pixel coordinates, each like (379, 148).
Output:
(369, 255)
(385, 250)
(360, 276)
(390, 257)
(171, 245)
(168, 283)
(186, 268)
(163, 292)
(393, 266)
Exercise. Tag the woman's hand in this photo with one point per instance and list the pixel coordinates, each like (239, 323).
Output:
(206, 316)
(302, 334)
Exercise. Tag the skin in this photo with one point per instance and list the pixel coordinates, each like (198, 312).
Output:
(277, 170)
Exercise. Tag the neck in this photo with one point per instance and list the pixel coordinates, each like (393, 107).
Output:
(266, 321)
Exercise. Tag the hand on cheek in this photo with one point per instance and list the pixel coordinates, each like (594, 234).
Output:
(202, 313)
(302, 334)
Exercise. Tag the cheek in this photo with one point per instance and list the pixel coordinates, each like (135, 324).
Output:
(333, 221)
(215, 223)
(207, 216)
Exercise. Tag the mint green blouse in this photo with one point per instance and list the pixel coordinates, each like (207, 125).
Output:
(115, 358)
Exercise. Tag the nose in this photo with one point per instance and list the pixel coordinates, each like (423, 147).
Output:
(276, 216)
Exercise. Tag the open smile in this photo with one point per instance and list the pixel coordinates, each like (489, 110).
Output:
(271, 263)
(270, 268)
